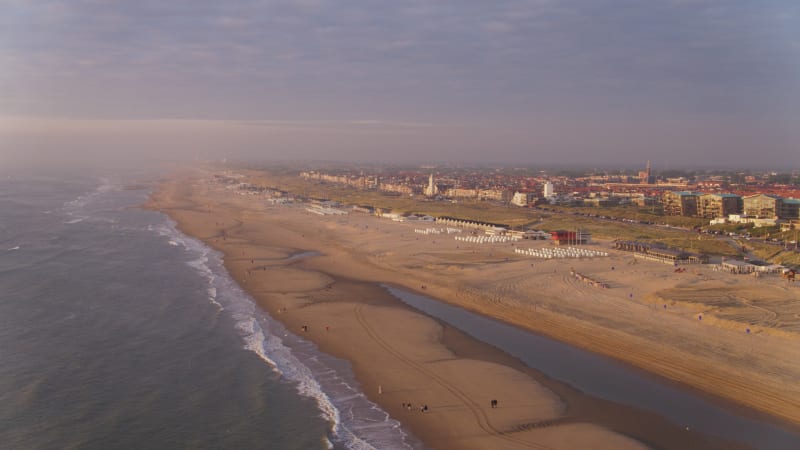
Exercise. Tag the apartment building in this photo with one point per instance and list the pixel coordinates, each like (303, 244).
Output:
(711, 206)
(790, 209)
(762, 206)
(522, 198)
(680, 203)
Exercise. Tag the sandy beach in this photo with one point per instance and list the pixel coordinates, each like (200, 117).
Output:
(689, 327)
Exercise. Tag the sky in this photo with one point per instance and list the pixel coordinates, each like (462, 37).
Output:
(683, 83)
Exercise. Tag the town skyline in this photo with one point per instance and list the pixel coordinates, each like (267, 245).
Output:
(503, 183)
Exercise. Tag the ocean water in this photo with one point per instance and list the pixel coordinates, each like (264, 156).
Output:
(117, 331)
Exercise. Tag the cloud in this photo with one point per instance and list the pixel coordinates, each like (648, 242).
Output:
(406, 64)
(538, 47)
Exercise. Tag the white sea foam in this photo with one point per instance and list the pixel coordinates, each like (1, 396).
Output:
(365, 427)
(82, 200)
(356, 423)
(194, 248)
(80, 208)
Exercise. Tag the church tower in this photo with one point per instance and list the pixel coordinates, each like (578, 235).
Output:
(431, 190)
(644, 176)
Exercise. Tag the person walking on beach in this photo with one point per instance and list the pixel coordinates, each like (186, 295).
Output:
(494, 403)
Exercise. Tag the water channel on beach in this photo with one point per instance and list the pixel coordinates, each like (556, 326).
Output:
(606, 378)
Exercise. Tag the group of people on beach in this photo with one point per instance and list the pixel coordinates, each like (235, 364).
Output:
(422, 408)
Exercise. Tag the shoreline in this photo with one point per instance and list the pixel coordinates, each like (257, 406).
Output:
(325, 282)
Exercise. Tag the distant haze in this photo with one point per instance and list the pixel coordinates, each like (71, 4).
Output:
(590, 82)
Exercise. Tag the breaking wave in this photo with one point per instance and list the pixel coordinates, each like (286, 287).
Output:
(323, 378)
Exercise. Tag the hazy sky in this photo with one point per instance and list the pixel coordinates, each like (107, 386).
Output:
(680, 82)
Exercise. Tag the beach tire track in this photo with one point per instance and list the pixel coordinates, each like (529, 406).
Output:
(770, 317)
(480, 416)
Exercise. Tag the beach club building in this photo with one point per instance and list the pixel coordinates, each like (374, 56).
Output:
(536, 235)
(652, 252)
(744, 267)
(564, 237)
(467, 223)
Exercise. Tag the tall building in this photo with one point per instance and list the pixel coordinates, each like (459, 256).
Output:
(432, 190)
(645, 177)
(547, 191)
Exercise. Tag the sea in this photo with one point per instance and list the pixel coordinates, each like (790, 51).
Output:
(119, 332)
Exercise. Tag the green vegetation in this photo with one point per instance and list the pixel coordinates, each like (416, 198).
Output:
(774, 254)
(648, 214)
(704, 244)
(765, 232)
